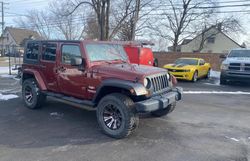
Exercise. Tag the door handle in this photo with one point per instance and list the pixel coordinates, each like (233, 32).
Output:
(61, 68)
(42, 66)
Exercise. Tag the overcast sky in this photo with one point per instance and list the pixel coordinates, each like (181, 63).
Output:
(17, 8)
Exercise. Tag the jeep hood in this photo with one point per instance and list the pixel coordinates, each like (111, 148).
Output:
(130, 72)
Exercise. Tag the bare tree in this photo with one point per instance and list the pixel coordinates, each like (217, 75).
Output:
(71, 26)
(38, 21)
(135, 21)
(111, 19)
(178, 17)
(51, 23)
(91, 30)
(102, 11)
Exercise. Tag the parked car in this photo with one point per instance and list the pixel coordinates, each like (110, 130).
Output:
(139, 54)
(96, 75)
(236, 67)
(189, 69)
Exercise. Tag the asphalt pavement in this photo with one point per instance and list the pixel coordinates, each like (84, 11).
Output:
(203, 127)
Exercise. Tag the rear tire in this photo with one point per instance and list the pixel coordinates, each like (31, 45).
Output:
(208, 74)
(117, 116)
(31, 94)
(165, 111)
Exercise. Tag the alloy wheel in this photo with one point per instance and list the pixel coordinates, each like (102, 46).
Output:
(112, 117)
(28, 94)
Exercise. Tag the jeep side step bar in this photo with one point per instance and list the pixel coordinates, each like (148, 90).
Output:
(83, 104)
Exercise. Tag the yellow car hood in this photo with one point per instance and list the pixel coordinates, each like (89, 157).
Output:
(179, 66)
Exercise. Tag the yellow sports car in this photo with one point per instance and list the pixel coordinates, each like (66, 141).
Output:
(189, 69)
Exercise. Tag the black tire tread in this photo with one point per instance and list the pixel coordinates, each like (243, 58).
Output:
(207, 73)
(193, 76)
(132, 121)
(41, 98)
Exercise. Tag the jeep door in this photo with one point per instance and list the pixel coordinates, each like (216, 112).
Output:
(48, 64)
(71, 79)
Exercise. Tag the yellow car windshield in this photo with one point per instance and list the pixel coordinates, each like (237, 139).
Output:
(186, 61)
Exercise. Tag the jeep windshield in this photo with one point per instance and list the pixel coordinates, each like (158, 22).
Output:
(186, 61)
(239, 53)
(106, 52)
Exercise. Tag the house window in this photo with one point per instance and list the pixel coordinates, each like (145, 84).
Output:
(32, 51)
(211, 40)
(49, 52)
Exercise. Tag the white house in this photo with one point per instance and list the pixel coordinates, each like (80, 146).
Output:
(13, 39)
(211, 40)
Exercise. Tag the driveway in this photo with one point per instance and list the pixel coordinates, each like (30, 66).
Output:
(205, 126)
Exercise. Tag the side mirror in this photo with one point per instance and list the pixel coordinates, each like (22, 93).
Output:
(222, 56)
(76, 61)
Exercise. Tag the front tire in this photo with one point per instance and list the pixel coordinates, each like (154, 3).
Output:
(31, 94)
(195, 76)
(223, 81)
(208, 74)
(117, 116)
(165, 111)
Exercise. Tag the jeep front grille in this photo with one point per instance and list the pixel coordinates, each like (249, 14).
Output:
(159, 82)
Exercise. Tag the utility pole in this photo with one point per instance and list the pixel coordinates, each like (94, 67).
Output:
(135, 18)
(2, 23)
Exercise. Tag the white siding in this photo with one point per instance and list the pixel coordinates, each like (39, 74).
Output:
(9, 42)
(222, 44)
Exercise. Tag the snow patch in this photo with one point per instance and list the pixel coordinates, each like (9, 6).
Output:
(234, 139)
(63, 148)
(214, 74)
(217, 92)
(5, 70)
(7, 97)
(217, 83)
(56, 115)
(7, 76)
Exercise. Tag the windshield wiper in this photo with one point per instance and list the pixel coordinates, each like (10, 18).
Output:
(123, 61)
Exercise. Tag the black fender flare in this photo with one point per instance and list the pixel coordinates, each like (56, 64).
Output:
(136, 89)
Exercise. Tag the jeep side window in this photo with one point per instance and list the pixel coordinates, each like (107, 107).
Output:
(32, 51)
(49, 52)
(70, 51)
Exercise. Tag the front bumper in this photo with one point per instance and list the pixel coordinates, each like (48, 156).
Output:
(160, 101)
(242, 76)
(183, 75)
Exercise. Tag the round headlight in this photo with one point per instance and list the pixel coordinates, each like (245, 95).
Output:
(147, 83)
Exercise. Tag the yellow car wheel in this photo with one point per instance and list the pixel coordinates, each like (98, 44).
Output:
(195, 76)
(208, 74)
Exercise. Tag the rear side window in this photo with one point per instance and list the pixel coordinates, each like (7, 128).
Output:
(32, 51)
(69, 52)
(49, 52)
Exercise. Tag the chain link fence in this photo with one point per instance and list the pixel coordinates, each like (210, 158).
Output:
(11, 59)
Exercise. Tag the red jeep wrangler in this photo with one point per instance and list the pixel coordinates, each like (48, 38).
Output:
(96, 75)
